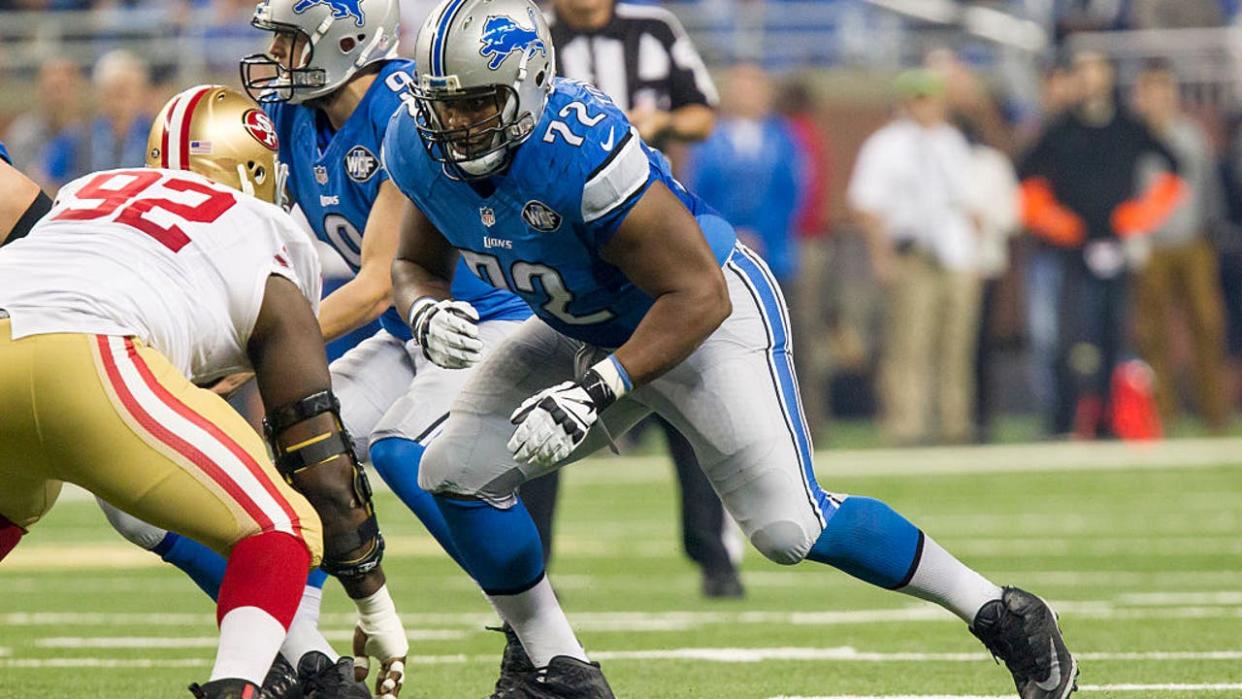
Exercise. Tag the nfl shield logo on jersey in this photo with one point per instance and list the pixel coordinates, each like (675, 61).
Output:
(321, 175)
(540, 216)
(487, 216)
(361, 164)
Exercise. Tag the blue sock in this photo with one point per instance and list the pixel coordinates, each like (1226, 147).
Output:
(316, 578)
(204, 566)
(396, 460)
(870, 541)
(500, 548)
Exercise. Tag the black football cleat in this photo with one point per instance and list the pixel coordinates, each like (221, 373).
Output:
(723, 585)
(323, 679)
(227, 689)
(514, 664)
(1021, 629)
(563, 678)
(282, 681)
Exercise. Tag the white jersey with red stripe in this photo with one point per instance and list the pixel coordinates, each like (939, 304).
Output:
(167, 256)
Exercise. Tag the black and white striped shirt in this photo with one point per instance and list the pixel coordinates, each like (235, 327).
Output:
(642, 58)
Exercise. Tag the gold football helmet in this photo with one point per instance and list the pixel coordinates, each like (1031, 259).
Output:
(220, 134)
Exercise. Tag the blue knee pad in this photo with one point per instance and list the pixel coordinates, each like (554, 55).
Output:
(396, 460)
(500, 548)
(869, 540)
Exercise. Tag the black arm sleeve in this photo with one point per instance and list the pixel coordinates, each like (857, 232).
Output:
(37, 210)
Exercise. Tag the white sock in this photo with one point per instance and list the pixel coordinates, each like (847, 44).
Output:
(249, 640)
(304, 635)
(540, 622)
(943, 579)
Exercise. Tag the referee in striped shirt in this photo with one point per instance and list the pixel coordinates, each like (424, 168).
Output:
(641, 57)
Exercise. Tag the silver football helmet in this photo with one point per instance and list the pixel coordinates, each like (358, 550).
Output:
(337, 39)
(484, 73)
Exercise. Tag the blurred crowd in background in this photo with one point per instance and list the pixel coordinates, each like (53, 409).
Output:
(995, 219)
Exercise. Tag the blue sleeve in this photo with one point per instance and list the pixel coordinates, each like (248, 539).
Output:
(4, 154)
(394, 161)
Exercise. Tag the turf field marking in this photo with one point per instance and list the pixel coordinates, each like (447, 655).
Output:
(714, 655)
(641, 621)
(850, 654)
(1162, 599)
(211, 641)
(1007, 458)
(1222, 687)
(103, 663)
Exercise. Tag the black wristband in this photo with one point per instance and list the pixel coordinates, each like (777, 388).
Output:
(600, 392)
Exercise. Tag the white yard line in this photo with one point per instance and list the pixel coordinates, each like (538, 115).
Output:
(1219, 687)
(416, 635)
(102, 663)
(643, 621)
(1007, 458)
(847, 654)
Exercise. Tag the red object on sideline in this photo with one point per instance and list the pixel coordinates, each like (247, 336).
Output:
(1135, 416)
(267, 571)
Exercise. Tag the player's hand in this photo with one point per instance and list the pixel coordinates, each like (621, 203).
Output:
(447, 331)
(553, 422)
(226, 386)
(391, 647)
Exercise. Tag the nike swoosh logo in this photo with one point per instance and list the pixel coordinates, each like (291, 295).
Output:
(1054, 674)
(607, 145)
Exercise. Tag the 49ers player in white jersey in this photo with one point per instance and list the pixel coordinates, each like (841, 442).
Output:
(140, 283)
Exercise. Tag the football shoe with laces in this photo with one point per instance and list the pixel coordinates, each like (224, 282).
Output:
(322, 678)
(227, 689)
(514, 664)
(1021, 629)
(563, 678)
(282, 681)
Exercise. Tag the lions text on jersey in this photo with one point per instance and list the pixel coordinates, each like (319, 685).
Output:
(537, 228)
(335, 177)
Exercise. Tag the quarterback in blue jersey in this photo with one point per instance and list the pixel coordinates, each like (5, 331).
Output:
(645, 303)
(22, 203)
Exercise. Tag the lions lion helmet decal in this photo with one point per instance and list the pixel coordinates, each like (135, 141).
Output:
(502, 36)
(340, 9)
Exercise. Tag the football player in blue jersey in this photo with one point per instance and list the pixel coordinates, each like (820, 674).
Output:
(329, 82)
(644, 302)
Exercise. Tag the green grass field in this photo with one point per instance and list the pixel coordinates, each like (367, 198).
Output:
(1138, 548)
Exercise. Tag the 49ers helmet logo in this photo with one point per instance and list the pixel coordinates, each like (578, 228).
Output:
(260, 126)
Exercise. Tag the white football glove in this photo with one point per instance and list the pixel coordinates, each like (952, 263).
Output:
(553, 422)
(381, 635)
(447, 331)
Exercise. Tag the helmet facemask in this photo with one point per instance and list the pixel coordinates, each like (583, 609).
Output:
(489, 125)
(267, 80)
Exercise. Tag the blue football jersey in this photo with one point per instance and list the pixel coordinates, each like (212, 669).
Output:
(335, 177)
(537, 229)
(4, 154)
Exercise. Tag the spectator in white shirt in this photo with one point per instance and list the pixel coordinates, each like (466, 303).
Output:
(913, 194)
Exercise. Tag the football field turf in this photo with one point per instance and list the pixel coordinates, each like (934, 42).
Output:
(1139, 549)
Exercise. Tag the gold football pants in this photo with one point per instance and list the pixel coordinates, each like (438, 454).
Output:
(117, 418)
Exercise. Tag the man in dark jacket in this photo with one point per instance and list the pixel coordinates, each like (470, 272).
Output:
(1081, 197)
